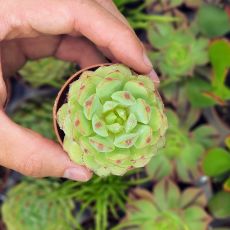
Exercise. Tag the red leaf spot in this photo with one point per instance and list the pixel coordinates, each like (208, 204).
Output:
(109, 79)
(118, 161)
(100, 146)
(98, 125)
(148, 140)
(86, 150)
(82, 87)
(127, 96)
(77, 122)
(147, 108)
(141, 83)
(128, 142)
(142, 158)
(88, 103)
(130, 167)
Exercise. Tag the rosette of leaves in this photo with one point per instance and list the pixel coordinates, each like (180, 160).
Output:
(29, 207)
(113, 120)
(36, 114)
(46, 71)
(176, 52)
(184, 149)
(166, 208)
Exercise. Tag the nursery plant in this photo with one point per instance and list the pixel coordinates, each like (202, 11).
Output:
(176, 51)
(30, 207)
(166, 207)
(35, 114)
(46, 71)
(113, 120)
(184, 149)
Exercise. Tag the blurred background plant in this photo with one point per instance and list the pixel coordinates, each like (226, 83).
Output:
(188, 43)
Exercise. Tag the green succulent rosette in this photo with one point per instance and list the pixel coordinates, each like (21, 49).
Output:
(167, 207)
(176, 51)
(113, 120)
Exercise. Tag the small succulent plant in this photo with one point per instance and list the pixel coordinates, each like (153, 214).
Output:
(176, 51)
(30, 206)
(113, 120)
(47, 71)
(166, 208)
(181, 157)
(36, 115)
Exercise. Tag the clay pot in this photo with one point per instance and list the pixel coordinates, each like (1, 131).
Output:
(62, 97)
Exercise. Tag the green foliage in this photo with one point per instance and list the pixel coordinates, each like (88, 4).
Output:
(36, 114)
(219, 205)
(216, 162)
(212, 20)
(219, 53)
(166, 208)
(46, 71)
(176, 51)
(49, 205)
(182, 153)
(29, 207)
(113, 120)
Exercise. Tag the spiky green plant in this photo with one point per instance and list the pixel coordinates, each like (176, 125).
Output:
(184, 149)
(46, 71)
(113, 120)
(176, 52)
(36, 114)
(166, 208)
(29, 207)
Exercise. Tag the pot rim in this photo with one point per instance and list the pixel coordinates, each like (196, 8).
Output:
(62, 95)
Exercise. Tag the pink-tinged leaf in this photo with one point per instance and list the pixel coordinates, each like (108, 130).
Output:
(137, 89)
(109, 105)
(74, 151)
(193, 196)
(156, 119)
(99, 126)
(167, 195)
(147, 82)
(114, 128)
(124, 98)
(130, 123)
(91, 105)
(125, 140)
(141, 110)
(118, 155)
(101, 144)
(81, 124)
(107, 87)
(145, 136)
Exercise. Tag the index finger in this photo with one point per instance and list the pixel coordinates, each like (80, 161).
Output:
(65, 16)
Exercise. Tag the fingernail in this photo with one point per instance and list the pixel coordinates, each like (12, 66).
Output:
(78, 174)
(154, 76)
(147, 61)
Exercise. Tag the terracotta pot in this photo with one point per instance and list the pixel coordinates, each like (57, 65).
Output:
(62, 97)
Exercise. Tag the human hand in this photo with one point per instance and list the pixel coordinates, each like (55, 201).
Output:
(71, 30)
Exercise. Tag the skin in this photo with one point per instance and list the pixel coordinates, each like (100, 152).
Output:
(81, 31)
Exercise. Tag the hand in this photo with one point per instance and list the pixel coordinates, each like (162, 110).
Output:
(72, 30)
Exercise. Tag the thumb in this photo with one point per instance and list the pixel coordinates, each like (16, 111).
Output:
(31, 154)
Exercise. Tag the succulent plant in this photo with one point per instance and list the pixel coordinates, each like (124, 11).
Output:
(113, 120)
(29, 206)
(166, 208)
(181, 157)
(35, 114)
(176, 51)
(47, 71)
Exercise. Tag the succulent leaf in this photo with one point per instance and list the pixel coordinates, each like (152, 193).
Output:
(161, 209)
(116, 122)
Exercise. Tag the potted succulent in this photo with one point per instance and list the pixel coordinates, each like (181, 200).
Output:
(110, 119)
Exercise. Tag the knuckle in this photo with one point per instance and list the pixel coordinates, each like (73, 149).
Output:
(32, 165)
